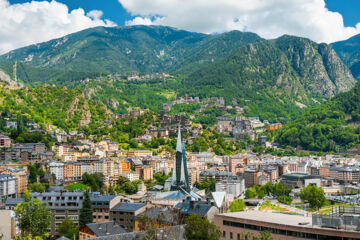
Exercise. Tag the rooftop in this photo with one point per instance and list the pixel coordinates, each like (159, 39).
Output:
(128, 207)
(105, 228)
(269, 217)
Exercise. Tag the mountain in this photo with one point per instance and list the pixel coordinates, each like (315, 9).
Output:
(332, 126)
(274, 74)
(349, 52)
(134, 48)
(37, 76)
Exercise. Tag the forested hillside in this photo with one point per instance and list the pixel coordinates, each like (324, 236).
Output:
(143, 49)
(275, 78)
(65, 108)
(333, 126)
(349, 52)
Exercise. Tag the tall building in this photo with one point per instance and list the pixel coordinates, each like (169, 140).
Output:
(8, 186)
(180, 179)
(63, 205)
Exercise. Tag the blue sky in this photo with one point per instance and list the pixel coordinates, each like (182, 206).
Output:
(114, 11)
(25, 22)
(349, 9)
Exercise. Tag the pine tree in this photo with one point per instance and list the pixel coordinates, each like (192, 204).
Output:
(86, 211)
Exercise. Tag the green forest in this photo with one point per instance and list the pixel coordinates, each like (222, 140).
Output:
(333, 126)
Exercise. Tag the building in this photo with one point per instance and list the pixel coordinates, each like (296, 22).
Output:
(282, 226)
(145, 172)
(132, 176)
(345, 174)
(103, 229)
(63, 205)
(206, 210)
(11, 124)
(21, 176)
(8, 224)
(139, 153)
(124, 214)
(5, 141)
(299, 180)
(236, 187)
(217, 175)
(235, 161)
(126, 165)
(249, 176)
(275, 126)
(8, 186)
(57, 168)
(262, 140)
(101, 205)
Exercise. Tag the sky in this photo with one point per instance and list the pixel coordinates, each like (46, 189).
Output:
(24, 22)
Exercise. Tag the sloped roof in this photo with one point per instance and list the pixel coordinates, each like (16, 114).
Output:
(105, 228)
(219, 198)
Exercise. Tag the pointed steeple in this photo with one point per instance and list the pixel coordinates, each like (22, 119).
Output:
(179, 142)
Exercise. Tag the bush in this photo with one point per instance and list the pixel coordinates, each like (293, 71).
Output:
(285, 200)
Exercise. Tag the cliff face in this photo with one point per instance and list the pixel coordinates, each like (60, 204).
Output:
(287, 66)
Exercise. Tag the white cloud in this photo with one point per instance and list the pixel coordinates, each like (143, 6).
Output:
(268, 18)
(140, 21)
(34, 22)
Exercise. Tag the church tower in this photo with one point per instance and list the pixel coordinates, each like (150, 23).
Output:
(180, 179)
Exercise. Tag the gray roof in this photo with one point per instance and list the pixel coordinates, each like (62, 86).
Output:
(58, 194)
(105, 228)
(13, 201)
(101, 198)
(194, 207)
(128, 207)
(56, 188)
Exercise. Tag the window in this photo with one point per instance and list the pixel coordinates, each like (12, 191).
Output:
(224, 234)
(231, 235)
(238, 236)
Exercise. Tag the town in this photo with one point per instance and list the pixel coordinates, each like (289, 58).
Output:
(132, 191)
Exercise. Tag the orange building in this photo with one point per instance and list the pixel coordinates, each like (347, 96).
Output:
(21, 176)
(126, 165)
(68, 171)
(274, 126)
(145, 172)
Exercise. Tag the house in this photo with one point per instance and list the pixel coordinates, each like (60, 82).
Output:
(101, 205)
(124, 214)
(5, 141)
(159, 218)
(206, 210)
(93, 230)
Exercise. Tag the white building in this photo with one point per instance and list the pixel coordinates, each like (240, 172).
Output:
(85, 168)
(234, 187)
(132, 176)
(100, 167)
(8, 186)
(57, 168)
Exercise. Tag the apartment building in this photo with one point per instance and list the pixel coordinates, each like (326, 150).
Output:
(63, 205)
(124, 214)
(57, 168)
(8, 186)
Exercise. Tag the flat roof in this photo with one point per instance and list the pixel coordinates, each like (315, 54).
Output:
(270, 217)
